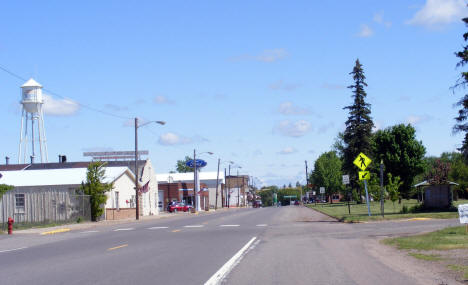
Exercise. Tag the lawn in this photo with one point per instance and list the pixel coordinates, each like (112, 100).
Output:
(392, 211)
(445, 239)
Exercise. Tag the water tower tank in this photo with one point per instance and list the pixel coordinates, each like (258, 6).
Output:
(31, 96)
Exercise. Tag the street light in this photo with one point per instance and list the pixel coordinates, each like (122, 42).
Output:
(196, 185)
(137, 198)
(217, 183)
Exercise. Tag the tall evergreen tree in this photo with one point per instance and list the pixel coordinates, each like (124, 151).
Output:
(462, 125)
(358, 126)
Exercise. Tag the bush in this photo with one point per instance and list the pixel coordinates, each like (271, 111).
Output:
(404, 210)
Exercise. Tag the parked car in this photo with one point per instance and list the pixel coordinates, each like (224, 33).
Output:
(178, 206)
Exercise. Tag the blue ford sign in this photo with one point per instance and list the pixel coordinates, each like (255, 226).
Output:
(200, 163)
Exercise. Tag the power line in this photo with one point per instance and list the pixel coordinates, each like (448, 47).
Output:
(63, 97)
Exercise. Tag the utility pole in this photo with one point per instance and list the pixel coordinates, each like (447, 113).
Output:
(217, 184)
(238, 189)
(225, 189)
(307, 178)
(229, 189)
(195, 182)
(137, 198)
(382, 194)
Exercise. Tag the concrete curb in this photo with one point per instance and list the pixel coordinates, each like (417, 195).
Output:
(55, 231)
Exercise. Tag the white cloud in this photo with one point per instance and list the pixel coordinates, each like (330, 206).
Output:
(365, 31)
(288, 150)
(59, 107)
(281, 85)
(162, 100)
(414, 119)
(287, 108)
(268, 55)
(293, 129)
(379, 18)
(173, 139)
(439, 12)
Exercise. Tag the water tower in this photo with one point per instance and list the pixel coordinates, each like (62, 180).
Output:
(32, 136)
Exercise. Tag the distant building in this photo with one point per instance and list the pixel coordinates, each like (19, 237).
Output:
(206, 178)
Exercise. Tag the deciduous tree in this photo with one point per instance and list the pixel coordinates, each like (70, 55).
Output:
(96, 188)
(327, 172)
(181, 166)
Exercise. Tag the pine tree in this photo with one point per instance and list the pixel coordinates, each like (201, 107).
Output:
(359, 124)
(462, 125)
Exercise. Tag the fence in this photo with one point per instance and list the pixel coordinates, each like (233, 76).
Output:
(30, 208)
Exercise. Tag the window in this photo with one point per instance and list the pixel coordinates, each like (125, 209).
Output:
(19, 203)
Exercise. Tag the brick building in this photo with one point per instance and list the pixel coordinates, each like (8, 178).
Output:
(182, 192)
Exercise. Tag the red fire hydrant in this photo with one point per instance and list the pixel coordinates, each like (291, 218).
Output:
(10, 225)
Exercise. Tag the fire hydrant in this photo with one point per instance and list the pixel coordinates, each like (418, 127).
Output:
(10, 225)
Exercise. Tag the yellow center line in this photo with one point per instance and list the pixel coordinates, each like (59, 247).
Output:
(175, 231)
(117, 247)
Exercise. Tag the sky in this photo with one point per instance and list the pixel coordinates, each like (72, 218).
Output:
(259, 83)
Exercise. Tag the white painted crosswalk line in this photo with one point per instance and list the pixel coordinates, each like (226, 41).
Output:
(124, 229)
(194, 226)
(88, 232)
(157, 228)
(229, 225)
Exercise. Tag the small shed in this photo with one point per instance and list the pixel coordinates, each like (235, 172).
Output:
(436, 195)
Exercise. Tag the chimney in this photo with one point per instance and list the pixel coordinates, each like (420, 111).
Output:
(63, 159)
(60, 158)
(32, 159)
(7, 160)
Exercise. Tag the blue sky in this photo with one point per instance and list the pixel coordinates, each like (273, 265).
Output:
(260, 83)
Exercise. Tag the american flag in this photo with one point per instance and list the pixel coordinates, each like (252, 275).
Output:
(145, 187)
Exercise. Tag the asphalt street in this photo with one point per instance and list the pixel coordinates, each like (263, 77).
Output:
(286, 245)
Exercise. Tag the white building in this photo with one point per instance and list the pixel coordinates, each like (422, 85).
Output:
(36, 190)
(208, 178)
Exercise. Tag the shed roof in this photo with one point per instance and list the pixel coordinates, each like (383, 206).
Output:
(426, 183)
(67, 176)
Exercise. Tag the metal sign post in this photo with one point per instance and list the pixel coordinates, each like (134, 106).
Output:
(346, 182)
(367, 198)
(362, 162)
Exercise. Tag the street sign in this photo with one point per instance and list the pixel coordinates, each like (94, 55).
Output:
(313, 193)
(345, 179)
(364, 175)
(322, 190)
(362, 161)
(463, 213)
(200, 163)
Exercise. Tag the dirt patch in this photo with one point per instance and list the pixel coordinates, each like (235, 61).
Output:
(433, 271)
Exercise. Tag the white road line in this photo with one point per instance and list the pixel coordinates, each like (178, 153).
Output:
(13, 249)
(88, 232)
(124, 229)
(155, 228)
(262, 225)
(218, 277)
(194, 226)
(229, 225)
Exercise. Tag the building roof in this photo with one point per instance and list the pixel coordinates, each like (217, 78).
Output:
(31, 83)
(176, 177)
(68, 176)
(426, 183)
(10, 167)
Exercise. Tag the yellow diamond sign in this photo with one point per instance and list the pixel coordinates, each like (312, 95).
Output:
(362, 161)
(364, 175)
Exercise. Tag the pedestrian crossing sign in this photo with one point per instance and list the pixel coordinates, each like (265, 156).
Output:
(362, 161)
(364, 175)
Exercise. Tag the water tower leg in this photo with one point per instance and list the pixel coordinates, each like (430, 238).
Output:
(21, 136)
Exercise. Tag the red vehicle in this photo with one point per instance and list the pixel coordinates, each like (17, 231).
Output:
(178, 206)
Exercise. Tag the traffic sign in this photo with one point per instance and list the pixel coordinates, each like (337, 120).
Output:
(364, 175)
(362, 161)
(346, 179)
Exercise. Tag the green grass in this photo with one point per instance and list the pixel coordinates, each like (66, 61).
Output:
(445, 239)
(429, 257)
(459, 268)
(392, 211)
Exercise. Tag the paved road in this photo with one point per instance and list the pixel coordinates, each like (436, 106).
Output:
(293, 245)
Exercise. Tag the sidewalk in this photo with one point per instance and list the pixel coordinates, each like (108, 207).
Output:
(93, 225)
